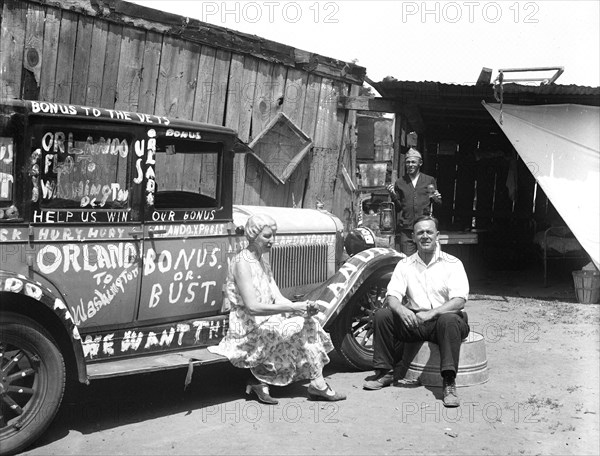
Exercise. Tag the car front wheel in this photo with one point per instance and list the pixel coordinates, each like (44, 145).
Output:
(352, 333)
(32, 382)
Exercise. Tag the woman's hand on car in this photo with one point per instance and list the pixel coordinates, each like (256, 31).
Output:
(309, 308)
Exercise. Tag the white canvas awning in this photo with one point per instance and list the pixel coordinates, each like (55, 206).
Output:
(561, 146)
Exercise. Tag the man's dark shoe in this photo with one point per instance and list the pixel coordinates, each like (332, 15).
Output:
(450, 396)
(383, 378)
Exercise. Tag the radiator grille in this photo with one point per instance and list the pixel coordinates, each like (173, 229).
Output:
(296, 265)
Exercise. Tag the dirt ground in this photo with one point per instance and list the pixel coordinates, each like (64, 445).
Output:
(542, 396)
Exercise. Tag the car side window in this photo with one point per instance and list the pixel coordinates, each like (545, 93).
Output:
(83, 167)
(187, 174)
(7, 178)
(10, 136)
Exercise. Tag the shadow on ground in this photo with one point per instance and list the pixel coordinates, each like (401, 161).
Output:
(110, 403)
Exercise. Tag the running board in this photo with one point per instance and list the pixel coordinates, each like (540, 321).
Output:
(153, 363)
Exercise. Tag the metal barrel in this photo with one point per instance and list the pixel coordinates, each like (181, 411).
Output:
(421, 362)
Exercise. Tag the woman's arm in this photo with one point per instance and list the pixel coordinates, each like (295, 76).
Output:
(242, 275)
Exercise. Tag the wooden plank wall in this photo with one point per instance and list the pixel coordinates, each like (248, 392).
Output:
(474, 188)
(53, 54)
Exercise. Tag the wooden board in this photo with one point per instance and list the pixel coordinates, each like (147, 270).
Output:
(343, 195)
(218, 97)
(311, 105)
(167, 89)
(261, 112)
(130, 69)
(204, 89)
(295, 95)
(189, 56)
(150, 69)
(232, 120)
(12, 42)
(238, 113)
(294, 100)
(465, 187)
(111, 67)
(446, 180)
(247, 90)
(175, 96)
(502, 202)
(486, 180)
(260, 189)
(65, 58)
(188, 85)
(326, 150)
(206, 68)
(299, 180)
(93, 93)
(48, 71)
(83, 55)
(34, 49)
(232, 91)
(277, 96)
(336, 138)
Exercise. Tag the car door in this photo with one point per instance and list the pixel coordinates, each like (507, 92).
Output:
(186, 226)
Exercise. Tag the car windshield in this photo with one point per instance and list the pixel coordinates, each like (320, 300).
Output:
(83, 167)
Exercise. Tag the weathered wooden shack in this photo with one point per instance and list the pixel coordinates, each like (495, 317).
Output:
(122, 56)
(492, 207)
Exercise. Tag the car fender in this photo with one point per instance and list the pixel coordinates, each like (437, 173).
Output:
(333, 295)
(12, 283)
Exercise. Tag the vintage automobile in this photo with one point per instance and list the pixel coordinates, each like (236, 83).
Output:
(116, 229)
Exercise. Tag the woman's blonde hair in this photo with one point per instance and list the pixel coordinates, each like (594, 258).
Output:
(256, 224)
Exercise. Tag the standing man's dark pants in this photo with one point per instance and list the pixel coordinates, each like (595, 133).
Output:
(405, 244)
(448, 331)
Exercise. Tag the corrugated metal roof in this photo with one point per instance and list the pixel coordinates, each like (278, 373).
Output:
(413, 91)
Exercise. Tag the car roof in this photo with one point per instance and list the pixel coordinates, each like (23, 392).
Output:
(81, 112)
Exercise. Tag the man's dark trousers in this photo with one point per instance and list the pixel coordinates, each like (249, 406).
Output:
(447, 331)
(405, 243)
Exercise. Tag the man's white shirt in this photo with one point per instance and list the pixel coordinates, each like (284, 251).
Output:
(429, 286)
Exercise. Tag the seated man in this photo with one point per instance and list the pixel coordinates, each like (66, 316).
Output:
(436, 287)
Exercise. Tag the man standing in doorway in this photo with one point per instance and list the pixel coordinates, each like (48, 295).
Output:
(413, 194)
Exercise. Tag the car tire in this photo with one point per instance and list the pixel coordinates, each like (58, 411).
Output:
(352, 333)
(33, 375)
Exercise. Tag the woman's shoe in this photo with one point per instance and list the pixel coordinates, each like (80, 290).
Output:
(262, 393)
(326, 394)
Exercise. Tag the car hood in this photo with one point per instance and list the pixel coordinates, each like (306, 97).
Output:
(291, 220)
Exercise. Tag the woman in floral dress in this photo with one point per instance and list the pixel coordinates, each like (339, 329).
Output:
(277, 347)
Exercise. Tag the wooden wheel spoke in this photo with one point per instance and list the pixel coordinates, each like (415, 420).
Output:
(16, 408)
(21, 374)
(14, 359)
(367, 337)
(20, 390)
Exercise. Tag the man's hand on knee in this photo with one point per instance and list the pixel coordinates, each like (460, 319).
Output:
(408, 317)
(426, 315)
